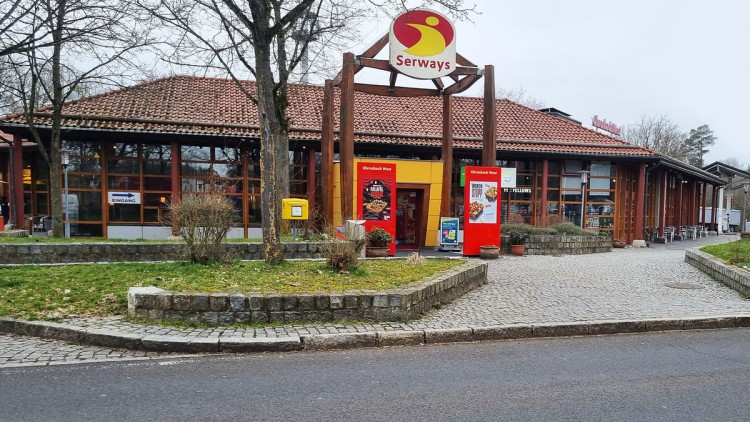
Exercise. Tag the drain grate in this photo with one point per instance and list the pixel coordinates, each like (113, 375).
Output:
(684, 286)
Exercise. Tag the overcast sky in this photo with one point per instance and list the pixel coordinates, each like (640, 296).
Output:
(620, 60)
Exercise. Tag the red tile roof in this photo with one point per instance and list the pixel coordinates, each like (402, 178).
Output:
(211, 106)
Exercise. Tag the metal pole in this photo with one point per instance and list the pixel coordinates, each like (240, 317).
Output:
(584, 179)
(67, 215)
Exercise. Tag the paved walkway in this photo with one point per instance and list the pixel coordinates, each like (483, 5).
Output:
(626, 284)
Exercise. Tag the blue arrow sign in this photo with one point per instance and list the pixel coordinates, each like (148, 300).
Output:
(125, 195)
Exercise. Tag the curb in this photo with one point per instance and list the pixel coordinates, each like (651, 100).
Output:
(342, 341)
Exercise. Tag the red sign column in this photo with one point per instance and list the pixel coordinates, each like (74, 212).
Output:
(376, 184)
(481, 208)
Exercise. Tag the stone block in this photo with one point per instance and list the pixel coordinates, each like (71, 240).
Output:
(400, 338)
(181, 301)
(558, 330)
(252, 345)
(218, 302)
(322, 301)
(237, 303)
(255, 301)
(708, 323)
(210, 318)
(199, 302)
(290, 302)
(616, 327)
(337, 301)
(663, 324)
(260, 317)
(275, 316)
(340, 341)
(351, 301)
(273, 302)
(448, 335)
(380, 300)
(305, 302)
(501, 332)
(164, 300)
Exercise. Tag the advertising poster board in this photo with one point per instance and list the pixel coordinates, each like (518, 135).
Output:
(448, 233)
(481, 208)
(376, 187)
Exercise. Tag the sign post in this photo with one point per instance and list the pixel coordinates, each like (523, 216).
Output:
(376, 184)
(481, 208)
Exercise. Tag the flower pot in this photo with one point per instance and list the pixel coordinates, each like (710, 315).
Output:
(376, 251)
(489, 252)
(517, 250)
(618, 243)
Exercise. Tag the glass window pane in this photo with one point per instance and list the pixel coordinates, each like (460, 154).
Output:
(228, 154)
(124, 182)
(151, 215)
(124, 150)
(195, 153)
(601, 196)
(228, 170)
(253, 209)
(89, 206)
(157, 152)
(123, 166)
(196, 169)
(125, 213)
(85, 164)
(157, 167)
(84, 181)
(602, 168)
(156, 199)
(157, 183)
(82, 149)
(253, 186)
(298, 188)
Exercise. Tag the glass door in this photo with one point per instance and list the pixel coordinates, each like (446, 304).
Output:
(408, 218)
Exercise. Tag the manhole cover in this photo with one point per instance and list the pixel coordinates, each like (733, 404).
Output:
(684, 286)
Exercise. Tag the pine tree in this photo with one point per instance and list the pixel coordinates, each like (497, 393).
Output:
(697, 143)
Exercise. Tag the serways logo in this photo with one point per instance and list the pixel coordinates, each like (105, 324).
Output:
(423, 44)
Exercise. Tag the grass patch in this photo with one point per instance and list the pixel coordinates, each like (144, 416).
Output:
(54, 292)
(735, 253)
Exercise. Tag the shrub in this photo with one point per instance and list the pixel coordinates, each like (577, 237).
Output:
(567, 228)
(516, 237)
(203, 220)
(378, 237)
(341, 254)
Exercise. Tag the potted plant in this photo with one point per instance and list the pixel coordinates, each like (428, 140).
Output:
(517, 241)
(378, 240)
(489, 252)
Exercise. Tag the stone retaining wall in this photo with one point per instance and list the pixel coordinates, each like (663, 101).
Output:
(52, 253)
(565, 245)
(734, 277)
(397, 304)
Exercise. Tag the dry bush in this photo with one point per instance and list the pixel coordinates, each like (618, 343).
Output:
(341, 254)
(415, 258)
(203, 219)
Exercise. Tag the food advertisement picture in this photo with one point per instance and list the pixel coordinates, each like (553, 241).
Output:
(483, 202)
(376, 200)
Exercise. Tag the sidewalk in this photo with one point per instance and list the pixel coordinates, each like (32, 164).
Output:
(627, 290)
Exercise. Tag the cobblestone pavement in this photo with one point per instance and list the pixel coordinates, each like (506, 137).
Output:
(626, 284)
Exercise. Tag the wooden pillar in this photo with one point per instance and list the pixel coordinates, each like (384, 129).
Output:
(714, 204)
(678, 204)
(543, 213)
(705, 203)
(693, 207)
(489, 134)
(311, 191)
(17, 209)
(447, 156)
(663, 204)
(346, 137)
(175, 173)
(640, 201)
(326, 154)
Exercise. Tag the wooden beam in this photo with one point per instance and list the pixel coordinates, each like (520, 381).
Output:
(326, 153)
(463, 61)
(375, 64)
(368, 54)
(438, 84)
(705, 203)
(462, 85)
(346, 137)
(18, 211)
(175, 187)
(545, 179)
(489, 127)
(663, 204)
(678, 205)
(447, 157)
(311, 185)
(459, 71)
(398, 91)
(640, 198)
(392, 81)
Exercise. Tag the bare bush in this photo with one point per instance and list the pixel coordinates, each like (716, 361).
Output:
(203, 220)
(341, 254)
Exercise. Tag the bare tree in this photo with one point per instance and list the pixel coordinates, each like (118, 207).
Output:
(267, 40)
(521, 96)
(659, 134)
(80, 43)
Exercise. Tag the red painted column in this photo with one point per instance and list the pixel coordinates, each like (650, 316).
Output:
(175, 180)
(545, 173)
(678, 205)
(447, 156)
(705, 204)
(17, 208)
(640, 201)
(693, 203)
(663, 205)
(311, 192)
(714, 204)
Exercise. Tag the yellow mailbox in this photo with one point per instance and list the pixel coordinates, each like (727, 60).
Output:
(294, 209)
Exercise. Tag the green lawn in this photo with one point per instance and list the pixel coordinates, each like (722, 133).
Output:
(54, 292)
(736, 253)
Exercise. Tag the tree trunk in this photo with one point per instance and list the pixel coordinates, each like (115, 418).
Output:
(273, 159)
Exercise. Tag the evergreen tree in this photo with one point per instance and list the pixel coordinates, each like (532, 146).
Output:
(697, 144)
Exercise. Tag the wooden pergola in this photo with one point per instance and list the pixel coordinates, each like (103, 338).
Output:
(464, 76)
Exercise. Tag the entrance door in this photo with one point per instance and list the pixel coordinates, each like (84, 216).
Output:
(409, 211)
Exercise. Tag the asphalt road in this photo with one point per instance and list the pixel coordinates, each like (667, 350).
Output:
(680, 376)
